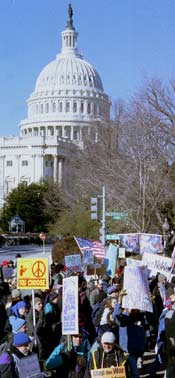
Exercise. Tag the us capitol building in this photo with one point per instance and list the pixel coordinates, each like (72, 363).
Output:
(67, 103)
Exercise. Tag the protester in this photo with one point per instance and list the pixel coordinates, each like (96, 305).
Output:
(70, 360)
(9, 361)
(107, 354)
(95, 292)
(170, 338)
(20, 309)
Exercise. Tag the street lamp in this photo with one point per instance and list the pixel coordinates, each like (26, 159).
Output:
(165, 228)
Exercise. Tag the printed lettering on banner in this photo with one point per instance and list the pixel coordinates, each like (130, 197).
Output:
(32, 273)
(111, 372)
(156, 263)
(70, 306)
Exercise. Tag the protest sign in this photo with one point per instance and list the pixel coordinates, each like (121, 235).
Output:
(88, 257)
(137, 289)
(96, 269)
(130, 242)
(7, 273)
(133, 262)
(121, 253)
(111, 372)
(111, 260)
(156, 263)
(151, 243)
(70, 306)
(73, 262)
(32, 273)
(29, 367)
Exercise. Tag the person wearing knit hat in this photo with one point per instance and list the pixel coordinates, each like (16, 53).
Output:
(107, 354)
(18, 324)
(10, 360)
(20, 309)
(16, 294)
(108, 337)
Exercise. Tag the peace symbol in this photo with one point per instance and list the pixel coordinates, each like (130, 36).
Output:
(38, 269)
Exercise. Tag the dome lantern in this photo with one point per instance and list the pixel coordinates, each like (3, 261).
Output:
(69, 36)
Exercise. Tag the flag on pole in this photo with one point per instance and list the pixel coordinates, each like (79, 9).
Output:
(91, 245)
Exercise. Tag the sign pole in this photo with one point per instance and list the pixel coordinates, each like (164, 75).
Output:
(34, 317)
(44, 247)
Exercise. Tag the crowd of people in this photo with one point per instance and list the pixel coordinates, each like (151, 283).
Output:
(109, 335)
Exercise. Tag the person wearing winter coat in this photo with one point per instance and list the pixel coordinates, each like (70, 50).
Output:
(70, 362)
(9, 360)
(107, 354)
(42, 331)
(131, 335)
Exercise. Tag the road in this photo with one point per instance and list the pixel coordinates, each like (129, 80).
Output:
(30, 250)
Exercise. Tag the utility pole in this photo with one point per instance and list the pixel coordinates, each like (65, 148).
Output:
(96, 214)
(103, 221)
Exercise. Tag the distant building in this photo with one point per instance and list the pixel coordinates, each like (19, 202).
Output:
(66, 104)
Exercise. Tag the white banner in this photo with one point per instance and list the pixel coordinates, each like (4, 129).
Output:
(156, 263)
(137, 289)
(133, 262)
(70, 306)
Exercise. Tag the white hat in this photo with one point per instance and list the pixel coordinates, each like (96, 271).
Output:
(108, 337)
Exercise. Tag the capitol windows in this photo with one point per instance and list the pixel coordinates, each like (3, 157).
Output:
(82, 107)
(41, 108)
(47, 108)
(67, 106)
(59, 132)
(76, 134)
(67, 131)
(60, 106)
(35, 132)
(24, 163)
(75, 107)
(95, 109)
(88, 108)
(54, 107)
(36, 109)
(9, 163)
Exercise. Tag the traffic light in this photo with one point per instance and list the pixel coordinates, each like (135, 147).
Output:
(94, 208)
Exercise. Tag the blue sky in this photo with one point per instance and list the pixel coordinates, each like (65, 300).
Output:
(125, 40)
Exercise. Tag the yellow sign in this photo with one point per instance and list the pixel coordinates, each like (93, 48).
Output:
(33, 273)
(111, 372)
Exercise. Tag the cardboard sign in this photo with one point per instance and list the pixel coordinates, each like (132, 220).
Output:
(32, 273)
(88, 257)
(111, 260)
(111, 372)
(121, 253)
(7, 273)
(157, 263)
(97, 268)
(70, 306)
(73, 262)
(137, 288)
(29, 367)
(151, 243)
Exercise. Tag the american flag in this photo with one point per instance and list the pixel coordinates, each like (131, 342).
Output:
(91, 245)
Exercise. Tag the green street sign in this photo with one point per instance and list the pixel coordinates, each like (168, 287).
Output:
(112, 237)
(117, 214)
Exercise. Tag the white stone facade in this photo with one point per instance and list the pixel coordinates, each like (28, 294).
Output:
(67, 102)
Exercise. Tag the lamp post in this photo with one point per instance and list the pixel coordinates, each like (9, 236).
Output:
(165, 228)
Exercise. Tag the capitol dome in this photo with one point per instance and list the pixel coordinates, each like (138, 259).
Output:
(68, 98)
